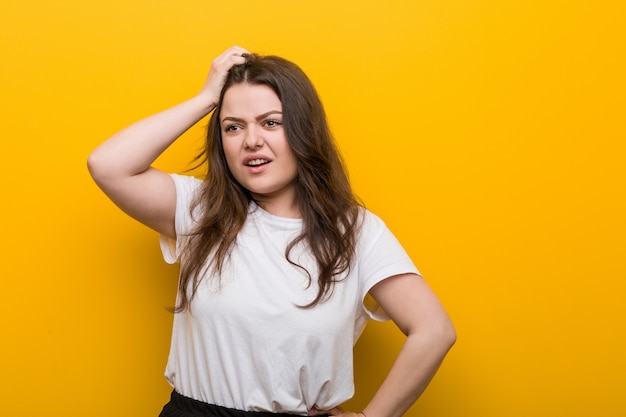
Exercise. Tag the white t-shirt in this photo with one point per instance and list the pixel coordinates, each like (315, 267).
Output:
(245, 344)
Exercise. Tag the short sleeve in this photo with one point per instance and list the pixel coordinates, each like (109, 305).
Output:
(380, 256)
(186, 189)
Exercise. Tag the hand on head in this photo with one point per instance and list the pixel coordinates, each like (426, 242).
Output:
(235, 55)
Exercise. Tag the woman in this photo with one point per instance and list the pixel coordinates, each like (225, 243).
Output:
(280, 266)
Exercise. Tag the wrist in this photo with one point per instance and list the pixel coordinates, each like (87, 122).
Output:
(206, 102)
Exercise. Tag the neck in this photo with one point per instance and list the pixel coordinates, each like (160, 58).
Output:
(286, 209)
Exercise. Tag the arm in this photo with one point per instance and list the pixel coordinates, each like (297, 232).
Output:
(121, 166)
(415, 309)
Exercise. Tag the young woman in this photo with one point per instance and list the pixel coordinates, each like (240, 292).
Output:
(280, 265)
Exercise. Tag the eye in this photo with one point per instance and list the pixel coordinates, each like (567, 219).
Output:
(272, 123)
(231, 128)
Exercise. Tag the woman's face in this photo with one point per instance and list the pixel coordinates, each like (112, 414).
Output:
(256, 147)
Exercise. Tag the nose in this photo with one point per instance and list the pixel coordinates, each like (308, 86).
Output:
(253, 138)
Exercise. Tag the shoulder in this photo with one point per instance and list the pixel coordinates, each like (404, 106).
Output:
(370, 224)
(376, 240)
(187, 194)
(186, 182)
(187, 188)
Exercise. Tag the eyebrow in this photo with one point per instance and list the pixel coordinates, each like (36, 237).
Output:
(259, 117)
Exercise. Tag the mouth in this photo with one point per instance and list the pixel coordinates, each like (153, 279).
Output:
(257, 162)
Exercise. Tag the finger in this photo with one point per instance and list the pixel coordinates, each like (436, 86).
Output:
(239, 49)
(236, 51)
(333, 411)
(232, 56)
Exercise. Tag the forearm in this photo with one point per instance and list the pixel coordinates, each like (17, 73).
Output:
(121, 165)
(132, 150)
(415, 366)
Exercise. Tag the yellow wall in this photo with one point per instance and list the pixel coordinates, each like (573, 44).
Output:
(488, 134)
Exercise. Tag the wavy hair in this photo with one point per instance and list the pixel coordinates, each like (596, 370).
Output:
(329, 209)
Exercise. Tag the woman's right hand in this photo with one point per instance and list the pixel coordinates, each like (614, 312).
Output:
(121, 166)
(235, 55)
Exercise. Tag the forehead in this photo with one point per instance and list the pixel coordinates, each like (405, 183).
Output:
(249, 100)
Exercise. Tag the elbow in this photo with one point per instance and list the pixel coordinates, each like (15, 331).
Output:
(93, 165)
(443, 334)
(98, 167)
(448, 335)
(438, 335)
(446, 331)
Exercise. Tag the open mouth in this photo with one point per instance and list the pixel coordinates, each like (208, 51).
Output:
(257, 162)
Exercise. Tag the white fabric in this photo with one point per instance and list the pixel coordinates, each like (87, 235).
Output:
(245, 343)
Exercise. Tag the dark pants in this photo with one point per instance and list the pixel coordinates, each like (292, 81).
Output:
(180, 406)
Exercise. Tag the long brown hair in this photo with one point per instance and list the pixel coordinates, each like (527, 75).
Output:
(329, 209)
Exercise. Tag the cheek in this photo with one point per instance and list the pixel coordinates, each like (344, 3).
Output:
(229, 152)
(294, 163)
(287, 150)
(231, 159)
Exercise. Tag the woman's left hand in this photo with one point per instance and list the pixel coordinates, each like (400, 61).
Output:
(337, 411)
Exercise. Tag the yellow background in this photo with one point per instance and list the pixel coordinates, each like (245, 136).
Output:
(488, 134)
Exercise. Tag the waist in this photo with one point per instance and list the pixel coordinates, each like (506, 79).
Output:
(179, 403)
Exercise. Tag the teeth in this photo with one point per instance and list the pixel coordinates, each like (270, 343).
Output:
(257, 162)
